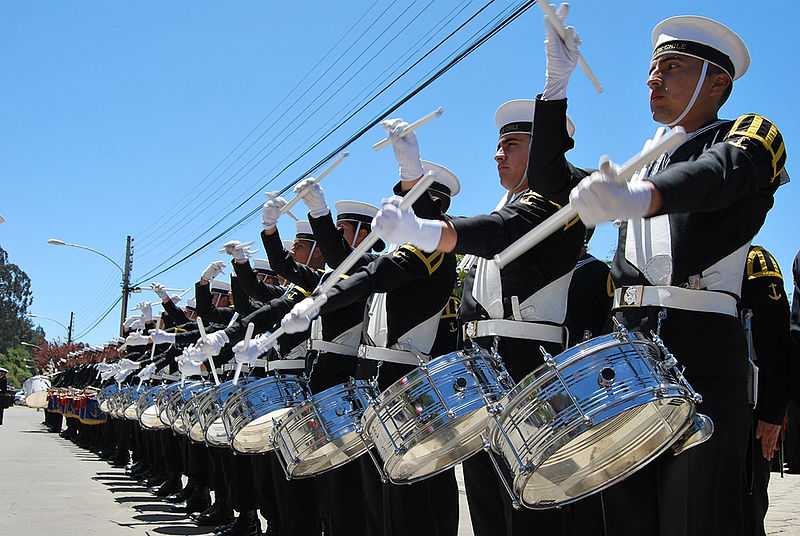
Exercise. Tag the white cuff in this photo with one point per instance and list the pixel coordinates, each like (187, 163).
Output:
(430, 232)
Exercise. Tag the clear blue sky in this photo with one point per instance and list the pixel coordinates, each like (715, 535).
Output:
(118, 118)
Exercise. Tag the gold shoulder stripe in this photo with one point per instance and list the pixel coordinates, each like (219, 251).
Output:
(760, 263)
(431, 262)
(610, 286)
(303, 291)
(525, 199)
(452, 307)
(762, 130)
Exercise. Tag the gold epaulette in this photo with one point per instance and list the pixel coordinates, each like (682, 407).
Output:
(760, 263)
(763, 131)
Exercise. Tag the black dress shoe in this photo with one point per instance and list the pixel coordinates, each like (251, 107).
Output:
(198, 501)
(172, 485)
(181, 496)
(247, 524)
(214, 516)
(155, 480)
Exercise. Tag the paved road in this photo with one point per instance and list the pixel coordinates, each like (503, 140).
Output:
(50, 486)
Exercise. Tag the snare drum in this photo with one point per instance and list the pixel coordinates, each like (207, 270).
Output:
(209, 410)
(324, 432)
(589, 417)
(432, 419)
(146, 410)
(129, 403)
(163, 398)
(179, 400)
(35, 390)
(191, 416)
(248, 413)
(104, 394)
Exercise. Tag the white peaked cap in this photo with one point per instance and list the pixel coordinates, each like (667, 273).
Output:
(516, 116)
(304, 231)
(287, 244)
(220, 286)
(261, 265)
(355, 211)
(444, 177)
(702, 38)
(191, 303)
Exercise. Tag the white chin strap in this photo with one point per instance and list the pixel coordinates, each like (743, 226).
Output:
(310, 253)
(694, 95)
(355, 235)
(524, 178)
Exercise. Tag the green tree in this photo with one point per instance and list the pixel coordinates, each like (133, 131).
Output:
(15, 297)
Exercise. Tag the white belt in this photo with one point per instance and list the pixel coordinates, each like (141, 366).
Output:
(706, 301)
(331, 347)
(299, 350)
(281, 364)
(389, 355)
(228, 366)
(515, 329)
(165, 377)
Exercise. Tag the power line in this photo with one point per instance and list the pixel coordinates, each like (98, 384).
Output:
(455, 60)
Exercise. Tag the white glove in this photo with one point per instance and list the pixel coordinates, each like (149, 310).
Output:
(147, 372)
(598, 199)
(108, 373)
(147, 311)
(136, 339)
(562, 56)
(299, 318)
(403, 226)
(213, 343)
(272, 211)
(248, 355)
(133, 322)
(175, 298)
(240, 251)
(103, 367)
(213, 270)
(127, 364)
(406, 149)
(311, 193)
(189, 367)
(158, 288)
(160, 337)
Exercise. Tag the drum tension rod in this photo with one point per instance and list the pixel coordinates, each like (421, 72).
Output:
(514, 501)
(550, 362)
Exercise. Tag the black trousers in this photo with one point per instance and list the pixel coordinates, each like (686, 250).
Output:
(700, 491)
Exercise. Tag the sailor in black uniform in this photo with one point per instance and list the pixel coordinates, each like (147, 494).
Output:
(683, 242)
(412, 287)
(591, 292)
(764, 298)
(526, 307)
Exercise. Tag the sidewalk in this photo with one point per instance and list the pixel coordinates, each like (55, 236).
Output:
(50, 486)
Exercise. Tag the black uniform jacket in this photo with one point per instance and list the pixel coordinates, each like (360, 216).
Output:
(763, 294)
(550, 179)
(717, 188)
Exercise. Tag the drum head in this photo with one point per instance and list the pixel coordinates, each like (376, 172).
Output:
(605, 453)
(149, 419)
(256, 435)
(37, 400)
(216, 433)
(433, 438)
(628, 411)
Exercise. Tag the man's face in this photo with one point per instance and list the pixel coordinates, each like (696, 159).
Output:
(672, 81)
(512, 159)
(348, 230)
(301, 250)
(221, 300)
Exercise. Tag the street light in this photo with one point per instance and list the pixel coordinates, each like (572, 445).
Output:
(69, 329)
(23, 343)
(126, 272)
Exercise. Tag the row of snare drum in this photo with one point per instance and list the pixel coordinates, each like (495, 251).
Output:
(583, 420)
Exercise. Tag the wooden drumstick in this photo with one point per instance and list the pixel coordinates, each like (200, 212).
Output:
(553, 19)
(419, 188)
(247, 336)
(295, 199)
(410, 128)
(204, 338)
(566, 214)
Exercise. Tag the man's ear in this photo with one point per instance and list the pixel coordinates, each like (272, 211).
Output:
(362, 234)
(719, 83)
